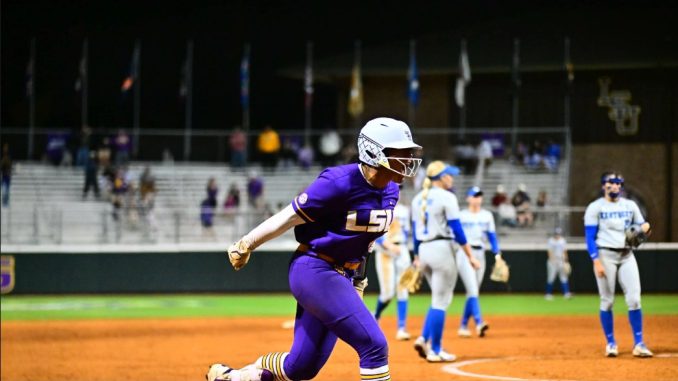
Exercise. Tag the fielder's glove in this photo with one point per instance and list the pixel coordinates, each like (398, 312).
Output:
(500, 271)
(239, 254)
(411, 279)
(567, 268)
(635, 236)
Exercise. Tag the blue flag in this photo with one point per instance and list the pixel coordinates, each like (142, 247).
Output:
(245, 78)
(413, 76)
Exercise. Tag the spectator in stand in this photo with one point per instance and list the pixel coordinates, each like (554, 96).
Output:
(507, 214)
(484, 153)
(232, 201)
(104, 153)
(542, 199)
(330, 147)
(56, 147)
(6, 172)
(552, 156)
(466, 157)
(349, 154)
(289, 152)
(207, 207)
(91, 176)
(123, 146)
(535, 158)
(305, 157)
(522, 202)
(238, 145)
(82, 156)
(118, 192)
(500, 196)
(521, 153)
(147, 194)
(255, 190)
(269, 147)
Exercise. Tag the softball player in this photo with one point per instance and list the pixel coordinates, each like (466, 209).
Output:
(555, 265)
(392, 258)
(605, 221)
(435, 222)
(476, 222)
(336, 220)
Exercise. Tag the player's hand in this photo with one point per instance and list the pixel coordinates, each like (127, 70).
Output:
(474, 263)
(360, 286)
(598, 268)
(239, 254)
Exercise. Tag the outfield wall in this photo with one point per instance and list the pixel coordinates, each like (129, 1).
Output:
(184, 270)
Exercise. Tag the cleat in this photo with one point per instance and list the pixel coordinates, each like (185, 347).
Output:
(402, 335)
(218, 372)
(421, 347)
(640, 350)
(481, 329)
(611, 350)
(548, 297)
(464, 332)
(568, 296)
(441, 356)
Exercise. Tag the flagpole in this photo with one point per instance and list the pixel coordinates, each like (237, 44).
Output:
(516, 86)
(246, 105)
(308, 91)
(188, 114)
(462, 109)
(137, 97)
(568, 84)
(359, 93)
(84, 82)
(411, 109)
(31, 100)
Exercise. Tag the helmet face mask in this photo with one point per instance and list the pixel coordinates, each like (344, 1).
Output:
(382, 135)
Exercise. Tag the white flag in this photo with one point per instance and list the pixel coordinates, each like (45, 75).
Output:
(464, 77)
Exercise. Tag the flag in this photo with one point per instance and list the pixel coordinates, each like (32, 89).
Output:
(355, 98)
(413, 76)
(133, 72)
(308, 75)
(464, 76)
(245, 77)
(569, 68)
(183, 88)
(82, 68)
(515, 67)
(30, 71)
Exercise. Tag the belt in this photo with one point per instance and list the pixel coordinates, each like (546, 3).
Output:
(306, 249)
(476, 247)
(622, 250)
(437, 239)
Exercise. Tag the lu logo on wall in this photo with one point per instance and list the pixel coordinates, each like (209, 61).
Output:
(620, 111)
(7, 274)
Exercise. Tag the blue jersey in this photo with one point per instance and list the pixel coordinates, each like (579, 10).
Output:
(344, 213)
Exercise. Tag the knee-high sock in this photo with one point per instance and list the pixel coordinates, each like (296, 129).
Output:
(566, 287)
(468, 311)
(381, 306)
(607, 321)
(475, 310)
(426, 330)
(375, 374)
(402, 313)
(636, 320)
(437, 325)
(273, 366)
(549, 288)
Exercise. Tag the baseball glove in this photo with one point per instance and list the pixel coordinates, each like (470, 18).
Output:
(500, 271)
(411, 279)
(635, 236)
(239, 254)
(567, 268)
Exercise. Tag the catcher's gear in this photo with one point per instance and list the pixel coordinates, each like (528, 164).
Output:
(567, 268)
(500, 271)
(239, 254)
(360, 285)
(411, 279)
(635, 236)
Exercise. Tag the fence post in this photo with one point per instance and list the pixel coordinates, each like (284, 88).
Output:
(104, 226)
(36, 230)
(177, 227)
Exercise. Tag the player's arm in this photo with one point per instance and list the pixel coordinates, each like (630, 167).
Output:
(492, 235)
(388, 247)
(460, 237)
(591, 233)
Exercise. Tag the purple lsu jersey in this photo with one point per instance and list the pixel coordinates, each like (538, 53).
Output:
(343, 213)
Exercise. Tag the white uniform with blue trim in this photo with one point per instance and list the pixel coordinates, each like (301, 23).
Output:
(476, 226)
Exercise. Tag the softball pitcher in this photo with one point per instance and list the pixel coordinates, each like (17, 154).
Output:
(435, 222)
(557, 264)
(477, 223)
(336, 220)
(392, 258)
(605, 222)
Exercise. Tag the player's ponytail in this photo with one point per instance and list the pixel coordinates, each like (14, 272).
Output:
(433, 170)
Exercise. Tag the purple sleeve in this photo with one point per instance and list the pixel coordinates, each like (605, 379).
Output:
(319, 199)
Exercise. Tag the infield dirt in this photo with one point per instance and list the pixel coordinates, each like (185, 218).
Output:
(552, 348)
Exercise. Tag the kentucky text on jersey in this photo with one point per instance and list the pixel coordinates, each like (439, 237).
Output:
(615, 214)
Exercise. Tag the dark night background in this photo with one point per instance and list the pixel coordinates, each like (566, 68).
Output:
(278, 31)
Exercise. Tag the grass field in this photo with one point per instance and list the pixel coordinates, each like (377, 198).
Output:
(14, 308)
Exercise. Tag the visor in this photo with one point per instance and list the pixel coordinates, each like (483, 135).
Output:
(449, 170)
(474, 192)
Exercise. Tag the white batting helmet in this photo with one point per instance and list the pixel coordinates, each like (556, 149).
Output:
(381, 133)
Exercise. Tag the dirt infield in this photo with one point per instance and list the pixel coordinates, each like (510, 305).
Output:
(522, 348)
